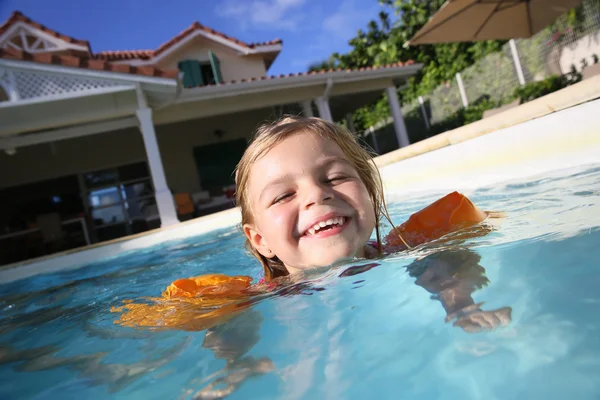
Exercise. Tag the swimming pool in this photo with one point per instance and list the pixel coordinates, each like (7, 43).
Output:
(378, 334)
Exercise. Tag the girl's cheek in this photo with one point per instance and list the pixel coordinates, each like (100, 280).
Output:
(279, 217)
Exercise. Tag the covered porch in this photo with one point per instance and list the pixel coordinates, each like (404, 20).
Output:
(97, 155)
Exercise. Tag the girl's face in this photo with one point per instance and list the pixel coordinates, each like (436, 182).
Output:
(309, 206)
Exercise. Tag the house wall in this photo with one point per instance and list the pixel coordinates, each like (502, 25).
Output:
(233, 65)
(582, 49)
(177, 141)
(110, 149)
(88, 153)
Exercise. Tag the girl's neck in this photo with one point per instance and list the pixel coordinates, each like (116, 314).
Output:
(368, 252)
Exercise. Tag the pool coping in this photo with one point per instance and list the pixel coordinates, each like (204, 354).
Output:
(571, 96)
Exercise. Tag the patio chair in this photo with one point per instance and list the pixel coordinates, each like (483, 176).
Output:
(185, 206)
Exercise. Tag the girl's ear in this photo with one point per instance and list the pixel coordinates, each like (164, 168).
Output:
(257, 240)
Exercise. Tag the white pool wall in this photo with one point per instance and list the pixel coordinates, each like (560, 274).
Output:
(529, 140)
(561, 140)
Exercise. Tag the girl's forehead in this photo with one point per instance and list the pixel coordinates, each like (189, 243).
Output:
(305, 142)
(298, 153)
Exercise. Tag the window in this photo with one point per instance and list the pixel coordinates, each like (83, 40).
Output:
(120, 200)
(208, 76)
(196, 73)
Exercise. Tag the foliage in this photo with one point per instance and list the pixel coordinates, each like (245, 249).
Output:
(382, 42)
(534, 90)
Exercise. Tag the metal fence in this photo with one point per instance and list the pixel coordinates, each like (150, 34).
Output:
(556, 50)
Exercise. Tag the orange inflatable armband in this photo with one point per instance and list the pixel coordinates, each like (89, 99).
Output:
(448, 214)
(190, 304)
(208, 285)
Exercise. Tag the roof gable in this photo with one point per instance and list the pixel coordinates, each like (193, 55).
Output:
(21, 33)
(186, 37)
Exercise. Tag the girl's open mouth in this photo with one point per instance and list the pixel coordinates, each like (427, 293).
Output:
(330, 227)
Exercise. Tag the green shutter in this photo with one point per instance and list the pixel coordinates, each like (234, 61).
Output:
(191, 73)
(216, 67)
(187, 77)
(196, 74)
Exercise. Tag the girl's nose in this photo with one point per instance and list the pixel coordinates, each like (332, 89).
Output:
(315, 194)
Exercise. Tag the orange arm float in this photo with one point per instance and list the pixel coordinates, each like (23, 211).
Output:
(448, 214)
(191, 304)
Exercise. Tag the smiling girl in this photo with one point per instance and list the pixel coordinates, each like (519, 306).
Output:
(310, 196)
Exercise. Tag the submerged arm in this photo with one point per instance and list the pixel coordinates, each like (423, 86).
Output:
(452, 275)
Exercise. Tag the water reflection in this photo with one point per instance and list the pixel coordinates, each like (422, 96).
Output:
(90, 367)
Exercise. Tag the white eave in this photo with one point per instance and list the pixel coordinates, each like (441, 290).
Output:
(275, 83)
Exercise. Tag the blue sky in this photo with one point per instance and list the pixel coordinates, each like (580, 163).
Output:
(311, 29)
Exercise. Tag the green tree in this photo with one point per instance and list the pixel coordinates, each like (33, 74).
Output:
(383, 43)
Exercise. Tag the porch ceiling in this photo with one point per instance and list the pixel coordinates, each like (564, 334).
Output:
(44, 97)
(31, 116)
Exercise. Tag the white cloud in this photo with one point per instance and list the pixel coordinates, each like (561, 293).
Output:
(265, 14)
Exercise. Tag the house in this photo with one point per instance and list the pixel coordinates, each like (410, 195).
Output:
(106, 140)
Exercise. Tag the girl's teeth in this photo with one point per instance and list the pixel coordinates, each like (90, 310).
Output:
(323, 224)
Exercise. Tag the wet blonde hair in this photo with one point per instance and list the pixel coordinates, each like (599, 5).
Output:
(270, 135)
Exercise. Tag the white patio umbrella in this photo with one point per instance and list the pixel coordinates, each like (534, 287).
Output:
(470, 20)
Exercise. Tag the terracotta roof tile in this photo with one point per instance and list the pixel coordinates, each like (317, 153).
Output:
(124, 55)
(17, 16)
(88, 63)
(319, 72)
(196, 26)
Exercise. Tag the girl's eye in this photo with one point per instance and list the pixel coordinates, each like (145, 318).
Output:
(336, 178)
(281, 198)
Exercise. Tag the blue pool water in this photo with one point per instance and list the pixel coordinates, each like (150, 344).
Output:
(378, 334)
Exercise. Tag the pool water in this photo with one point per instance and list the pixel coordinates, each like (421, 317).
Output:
(377, 334)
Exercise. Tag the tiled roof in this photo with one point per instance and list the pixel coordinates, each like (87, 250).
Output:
(88, 63)
(320, 72)
(196, 26)
(119, 55)
(17, 16)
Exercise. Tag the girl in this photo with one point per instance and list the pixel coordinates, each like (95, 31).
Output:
(310, 196)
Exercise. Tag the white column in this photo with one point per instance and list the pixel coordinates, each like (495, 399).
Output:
(164, 198)
(424, 112)
(323, 107)
(307, 108)
(461, 88)
(517, 61)
(399, 126)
